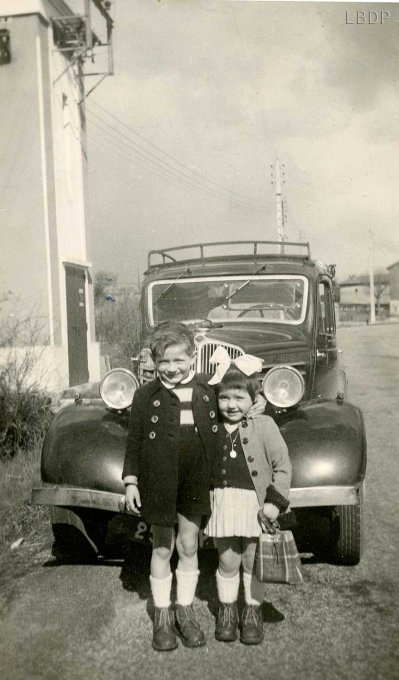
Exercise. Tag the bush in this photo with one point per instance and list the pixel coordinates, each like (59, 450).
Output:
(24, 418)
(25, 410)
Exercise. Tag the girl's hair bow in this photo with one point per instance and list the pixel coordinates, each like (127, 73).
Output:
(246, 363)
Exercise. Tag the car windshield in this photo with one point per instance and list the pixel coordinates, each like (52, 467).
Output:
(263, 299)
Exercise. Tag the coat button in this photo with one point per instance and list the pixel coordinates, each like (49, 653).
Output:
(156, 403)
(212, 414)
(224, 458)
(251, 459)
(206, 398)
(245, 440)
(225, 482)
(254, 473)
(223, 472)
(244, 423)
(152, 435)
(224, 447)
(214, 428)
(154, 419)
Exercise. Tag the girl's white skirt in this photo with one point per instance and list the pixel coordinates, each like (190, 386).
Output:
(234, 513)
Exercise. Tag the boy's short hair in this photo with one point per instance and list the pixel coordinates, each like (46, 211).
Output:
(234, 379)
(170, 333)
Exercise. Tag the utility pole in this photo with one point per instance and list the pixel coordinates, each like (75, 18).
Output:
(371, 275)
(280, 209)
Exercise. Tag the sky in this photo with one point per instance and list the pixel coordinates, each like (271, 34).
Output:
(207, 95)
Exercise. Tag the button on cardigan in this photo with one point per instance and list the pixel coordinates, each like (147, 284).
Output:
(267, 458)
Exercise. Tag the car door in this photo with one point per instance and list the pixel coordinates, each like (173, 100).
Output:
(326, 343)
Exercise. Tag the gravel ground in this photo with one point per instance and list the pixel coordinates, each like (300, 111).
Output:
(74, 622)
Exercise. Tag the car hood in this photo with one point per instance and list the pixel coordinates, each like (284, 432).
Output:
(260, 340)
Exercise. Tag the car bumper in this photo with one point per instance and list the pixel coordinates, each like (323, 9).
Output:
(324, 496)
(77, 497)
(114, 502)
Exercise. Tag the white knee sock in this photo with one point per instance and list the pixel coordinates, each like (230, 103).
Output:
(186, 585)
(254, 590)
(227, 587)
(160, 588)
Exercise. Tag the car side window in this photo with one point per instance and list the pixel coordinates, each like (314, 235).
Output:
(326, 317)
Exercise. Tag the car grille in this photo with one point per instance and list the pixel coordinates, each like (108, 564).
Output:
(205, 351)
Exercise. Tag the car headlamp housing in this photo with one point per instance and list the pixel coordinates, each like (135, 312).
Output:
(283, 386)
(118, 387)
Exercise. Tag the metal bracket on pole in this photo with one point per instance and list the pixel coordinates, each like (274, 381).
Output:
(74, 36)
(75, 58)
(103, 76)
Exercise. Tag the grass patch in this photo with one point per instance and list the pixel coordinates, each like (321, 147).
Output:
(19, 519)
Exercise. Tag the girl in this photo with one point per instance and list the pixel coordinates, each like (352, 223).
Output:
(251, 470)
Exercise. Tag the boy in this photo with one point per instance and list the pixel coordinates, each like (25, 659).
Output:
(173, 427)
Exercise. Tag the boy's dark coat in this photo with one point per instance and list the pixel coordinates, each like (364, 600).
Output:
(152, 449)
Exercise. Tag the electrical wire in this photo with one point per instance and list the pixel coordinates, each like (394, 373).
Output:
(165, 166)
(173, 172)
(175, 160)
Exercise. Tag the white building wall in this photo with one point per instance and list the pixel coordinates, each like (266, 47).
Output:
(62, 187)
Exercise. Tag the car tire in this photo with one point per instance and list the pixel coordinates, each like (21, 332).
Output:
(347, 532)
(79, 535)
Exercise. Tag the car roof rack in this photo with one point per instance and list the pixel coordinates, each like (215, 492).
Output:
(180, 253)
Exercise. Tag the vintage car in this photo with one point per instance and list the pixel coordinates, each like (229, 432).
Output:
(265, 298)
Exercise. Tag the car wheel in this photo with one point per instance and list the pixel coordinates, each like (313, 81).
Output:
(79, 534)
(347, 532)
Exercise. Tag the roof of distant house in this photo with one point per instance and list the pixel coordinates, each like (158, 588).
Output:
(364, 280)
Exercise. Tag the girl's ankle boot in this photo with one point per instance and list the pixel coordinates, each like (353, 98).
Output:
(227, 622)
(252, 625)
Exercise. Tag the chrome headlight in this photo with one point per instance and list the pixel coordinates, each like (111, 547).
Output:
(118, 387)
(283, 386)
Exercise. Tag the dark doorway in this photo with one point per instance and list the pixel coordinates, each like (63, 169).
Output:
(77, 325)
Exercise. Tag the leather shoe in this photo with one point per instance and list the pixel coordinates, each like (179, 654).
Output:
(188, 627)
(164, 637)
(227, 622)
(252, 625)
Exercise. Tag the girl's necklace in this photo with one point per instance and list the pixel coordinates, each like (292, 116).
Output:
(233, 452)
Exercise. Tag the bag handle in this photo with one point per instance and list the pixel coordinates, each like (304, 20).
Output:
(267, 525)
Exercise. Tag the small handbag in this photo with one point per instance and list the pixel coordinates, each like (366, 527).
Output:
(277, 559)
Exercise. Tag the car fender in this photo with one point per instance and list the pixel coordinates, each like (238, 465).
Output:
(326, 443)
(85, 447)
(329, 381)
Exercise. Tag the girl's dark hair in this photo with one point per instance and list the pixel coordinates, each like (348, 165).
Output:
(170, 333)
(234, 379)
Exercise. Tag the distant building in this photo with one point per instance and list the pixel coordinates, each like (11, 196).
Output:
(354, 302)
(45, 262)
(394, 288)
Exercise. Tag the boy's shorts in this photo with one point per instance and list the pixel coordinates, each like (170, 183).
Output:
(193, 479)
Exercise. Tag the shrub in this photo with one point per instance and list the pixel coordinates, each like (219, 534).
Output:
(24, 417)
(24, 407)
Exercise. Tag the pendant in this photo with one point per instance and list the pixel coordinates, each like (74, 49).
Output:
(233, 454)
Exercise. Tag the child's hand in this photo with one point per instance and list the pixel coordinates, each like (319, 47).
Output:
(132, 498)
(258, 407)
(271, 511)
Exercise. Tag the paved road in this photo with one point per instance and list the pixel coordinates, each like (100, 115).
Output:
(91, 622)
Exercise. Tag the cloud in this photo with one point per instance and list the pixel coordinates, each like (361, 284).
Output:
(228, 87)
(363, 58)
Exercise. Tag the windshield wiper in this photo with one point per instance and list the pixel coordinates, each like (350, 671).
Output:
(245, 283)
(173, 283)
